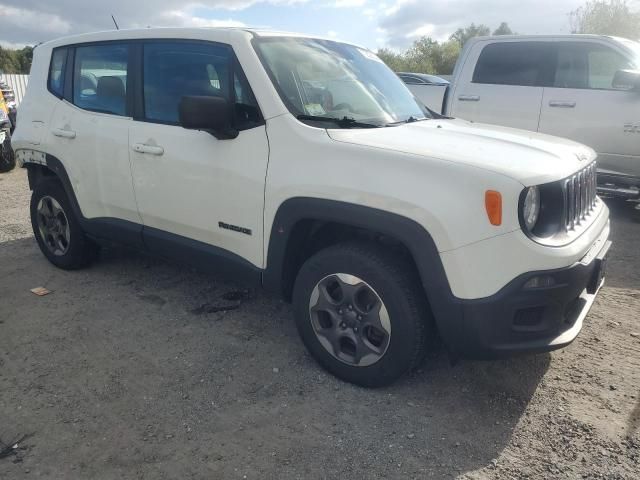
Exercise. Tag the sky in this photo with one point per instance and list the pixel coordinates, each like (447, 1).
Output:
(371, 23)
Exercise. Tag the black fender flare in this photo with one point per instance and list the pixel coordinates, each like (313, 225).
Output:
(411, 234)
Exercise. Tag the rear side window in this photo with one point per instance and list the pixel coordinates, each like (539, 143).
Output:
(172, 70)
(100, 78)
(529, 64)
(56, 71)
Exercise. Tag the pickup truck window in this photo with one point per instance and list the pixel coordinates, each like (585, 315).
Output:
(528, 64)
(588, 65)
(322, 78)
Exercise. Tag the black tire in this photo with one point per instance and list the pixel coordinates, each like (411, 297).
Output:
(7, 158)
(80, 250)
(398, 287)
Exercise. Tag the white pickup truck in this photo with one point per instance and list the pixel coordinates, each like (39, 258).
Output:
(582, 87)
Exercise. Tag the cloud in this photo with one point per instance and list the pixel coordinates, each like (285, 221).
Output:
(405, 19)
(34, 21)
(348, 3)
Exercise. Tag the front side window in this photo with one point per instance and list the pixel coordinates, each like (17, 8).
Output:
(588, 66)
(100, 78)
(57, 70)
(528, 64)
(176, 69)
(322, 78)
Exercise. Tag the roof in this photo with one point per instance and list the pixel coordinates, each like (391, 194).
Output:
(572, 36)
(176, 32)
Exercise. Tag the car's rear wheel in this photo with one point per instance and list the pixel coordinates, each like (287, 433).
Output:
(361, 313)
(57, 229)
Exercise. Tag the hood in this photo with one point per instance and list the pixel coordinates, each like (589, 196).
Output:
(528, 157)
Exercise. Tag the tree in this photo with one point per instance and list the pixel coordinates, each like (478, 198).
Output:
(463, 34)
(16, 61)
(395, 61)
(503, 29)
(606, 17)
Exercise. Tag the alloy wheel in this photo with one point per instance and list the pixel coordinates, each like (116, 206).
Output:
(53, 225)
(350, 319)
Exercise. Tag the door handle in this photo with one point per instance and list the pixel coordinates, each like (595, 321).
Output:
(557, 104)
(59, 132)
(144, 148)
(469, 98)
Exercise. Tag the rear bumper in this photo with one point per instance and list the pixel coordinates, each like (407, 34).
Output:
(521, 319)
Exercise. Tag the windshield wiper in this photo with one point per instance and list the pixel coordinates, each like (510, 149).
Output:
(344, 122)
(411, 119)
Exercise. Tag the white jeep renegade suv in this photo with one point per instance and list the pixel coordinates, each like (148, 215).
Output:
(306, 166)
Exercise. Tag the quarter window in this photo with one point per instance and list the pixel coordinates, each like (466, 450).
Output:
(176, 69)
(57, 70)
(528, 64)
(100, 78)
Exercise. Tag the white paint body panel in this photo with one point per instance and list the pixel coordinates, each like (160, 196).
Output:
(199, 181)
(96, 160)
(597, 120)
(434, 172)
(430, 95)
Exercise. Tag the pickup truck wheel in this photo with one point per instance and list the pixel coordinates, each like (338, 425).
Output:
(361, 313)
(56, 228)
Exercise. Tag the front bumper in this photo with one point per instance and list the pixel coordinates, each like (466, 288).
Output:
(519, 319)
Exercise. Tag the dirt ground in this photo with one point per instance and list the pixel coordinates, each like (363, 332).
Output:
(122, 373)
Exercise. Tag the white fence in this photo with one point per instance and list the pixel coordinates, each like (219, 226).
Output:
(18, 83)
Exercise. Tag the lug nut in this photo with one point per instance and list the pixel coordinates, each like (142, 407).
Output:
(350, 307)
(359, 317)
(343, 325)
(340, 312)
(355, 329)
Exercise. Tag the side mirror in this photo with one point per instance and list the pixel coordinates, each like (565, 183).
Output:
(626, 80)
(210, 114)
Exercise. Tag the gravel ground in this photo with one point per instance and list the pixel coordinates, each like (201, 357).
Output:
(122, 373)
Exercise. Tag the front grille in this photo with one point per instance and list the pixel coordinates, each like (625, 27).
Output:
(579, 196)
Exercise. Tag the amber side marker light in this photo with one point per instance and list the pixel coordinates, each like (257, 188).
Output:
(493, 205)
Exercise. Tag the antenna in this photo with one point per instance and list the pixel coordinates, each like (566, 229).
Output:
(114, 22)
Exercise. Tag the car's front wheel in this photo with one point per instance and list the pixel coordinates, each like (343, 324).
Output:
(57, 229)
(361, 313)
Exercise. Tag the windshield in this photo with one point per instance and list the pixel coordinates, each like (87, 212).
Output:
(321, 78)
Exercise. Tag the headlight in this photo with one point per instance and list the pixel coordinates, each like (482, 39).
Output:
(531, 208)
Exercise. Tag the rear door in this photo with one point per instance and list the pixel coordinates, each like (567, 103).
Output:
(582, 104)
(191, 186)
(506, 85)
(89, 129)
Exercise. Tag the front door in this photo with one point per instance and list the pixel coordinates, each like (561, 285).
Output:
(582, 105)
(189, 185)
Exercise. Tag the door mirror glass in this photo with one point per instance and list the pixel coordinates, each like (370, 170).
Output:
(210, 114)
(627, 80)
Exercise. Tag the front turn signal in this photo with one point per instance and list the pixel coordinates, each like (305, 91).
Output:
(493, 205)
